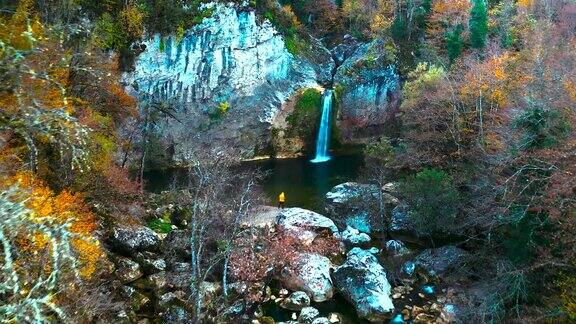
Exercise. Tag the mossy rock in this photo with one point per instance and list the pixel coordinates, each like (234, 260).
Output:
(303, 121)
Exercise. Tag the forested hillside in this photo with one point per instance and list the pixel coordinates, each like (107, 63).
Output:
(144, 145)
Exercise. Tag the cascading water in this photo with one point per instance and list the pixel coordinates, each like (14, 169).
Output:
(323, 140)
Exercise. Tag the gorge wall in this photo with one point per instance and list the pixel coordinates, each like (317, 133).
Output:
(225, 82)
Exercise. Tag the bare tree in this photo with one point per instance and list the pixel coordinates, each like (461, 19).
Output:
(221, 196)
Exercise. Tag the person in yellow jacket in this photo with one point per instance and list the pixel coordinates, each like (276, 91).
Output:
(281, 200)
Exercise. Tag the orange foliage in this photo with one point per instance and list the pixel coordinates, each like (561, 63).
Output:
(448, 13)
(62, 208)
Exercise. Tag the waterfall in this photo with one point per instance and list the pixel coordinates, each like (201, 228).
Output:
(323, 140)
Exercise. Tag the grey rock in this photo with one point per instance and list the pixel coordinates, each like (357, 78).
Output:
(396, 248)
(321, 320)
(127, 270)
(176, 247)
(305, 224)
(354, 237)
(356, 205)
(363, 282)
(439, 260)
(230, 57)
(311, 274)
(150, 262)
(296, 301)
(370, 90)
(307, 315)
(134, 239)
(401, 222)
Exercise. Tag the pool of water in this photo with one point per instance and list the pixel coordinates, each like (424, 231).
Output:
(305, 183)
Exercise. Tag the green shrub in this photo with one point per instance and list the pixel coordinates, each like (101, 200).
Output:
(160, 225)
(434, 201)
(542, 128)
(303, 121)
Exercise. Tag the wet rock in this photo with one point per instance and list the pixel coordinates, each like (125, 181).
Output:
(127, 270)
(396, 248)
(133, 239)
(354, 237)
(362, 281)
(311, 274)
(356, 205)
(423, 318)
(307, 315)
(296, 301)
(437, 261)
(449, 313)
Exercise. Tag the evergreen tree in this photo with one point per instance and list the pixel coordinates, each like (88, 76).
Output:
(478, 24)
(454, 43)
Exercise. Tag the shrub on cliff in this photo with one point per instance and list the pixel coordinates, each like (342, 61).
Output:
(303, 122)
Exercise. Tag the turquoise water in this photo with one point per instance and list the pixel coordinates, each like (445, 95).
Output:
(305, 183)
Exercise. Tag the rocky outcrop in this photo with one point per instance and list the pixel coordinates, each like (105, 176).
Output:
(368, 87)
(363, 282)
(232, 59)
(133, 239)
(356, 205)
(311, 274)
(439, 260)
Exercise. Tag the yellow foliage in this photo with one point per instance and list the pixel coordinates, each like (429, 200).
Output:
(62, 208)
(525, 3)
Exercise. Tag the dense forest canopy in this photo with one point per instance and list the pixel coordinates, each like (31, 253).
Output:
(480, 141)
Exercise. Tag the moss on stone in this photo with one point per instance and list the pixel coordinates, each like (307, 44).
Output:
(303, 121)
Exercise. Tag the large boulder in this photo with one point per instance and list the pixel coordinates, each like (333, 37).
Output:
(305, 224)
(363, 282)
(439, 260)
(356, 205)
(309, 273)
(133, 239)
(369, 89)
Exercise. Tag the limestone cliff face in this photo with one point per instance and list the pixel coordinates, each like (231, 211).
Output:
(368, 88)
(231, 59)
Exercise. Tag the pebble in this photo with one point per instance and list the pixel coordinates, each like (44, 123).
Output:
(421, 295)
(397, 295)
